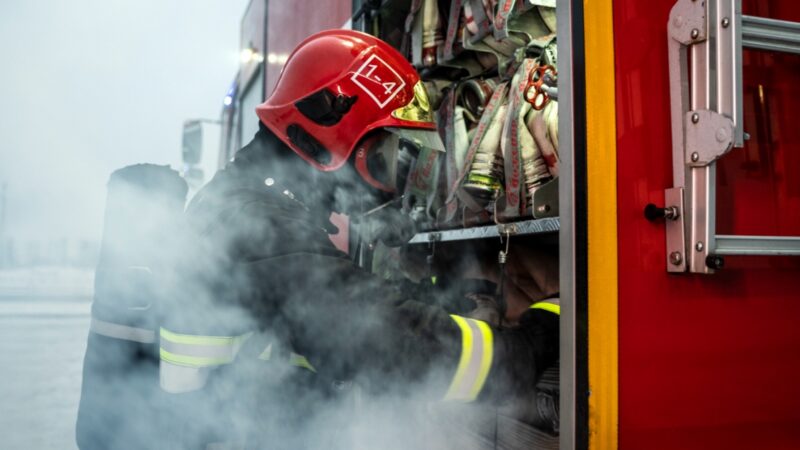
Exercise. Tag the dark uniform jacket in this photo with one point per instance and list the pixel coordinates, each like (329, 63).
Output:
(259, 260)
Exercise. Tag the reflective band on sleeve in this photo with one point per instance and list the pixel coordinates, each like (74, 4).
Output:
(123, 332)
(476, 359)
(199, 351)
(266, 354)
(295, 359)
(177, 379)
(552, 305)
(301, 361)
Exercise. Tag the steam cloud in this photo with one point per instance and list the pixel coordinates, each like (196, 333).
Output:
(271, 404)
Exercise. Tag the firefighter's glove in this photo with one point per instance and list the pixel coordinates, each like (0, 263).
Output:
(390, 226)
(522, 353)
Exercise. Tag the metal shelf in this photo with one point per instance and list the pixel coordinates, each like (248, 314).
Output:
(525, 227)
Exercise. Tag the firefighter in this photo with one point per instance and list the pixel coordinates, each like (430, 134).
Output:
(267, 313)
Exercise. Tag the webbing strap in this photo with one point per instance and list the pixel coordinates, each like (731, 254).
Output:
(517, 143)
(199, 351)
(123, 332)
(501, 19)
(476, 359)
(452, 29)
(552, 305)
(477, 21)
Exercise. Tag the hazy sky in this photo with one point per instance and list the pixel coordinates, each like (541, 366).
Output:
(89, 86)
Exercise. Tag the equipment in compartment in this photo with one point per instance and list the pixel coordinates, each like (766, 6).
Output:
(490, 69)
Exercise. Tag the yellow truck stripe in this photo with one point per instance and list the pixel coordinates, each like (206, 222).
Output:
(601, 157)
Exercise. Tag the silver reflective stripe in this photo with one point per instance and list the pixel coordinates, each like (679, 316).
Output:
(177, 379)
(225, 446)
(475, 361)
(123, 332)
(461, 389)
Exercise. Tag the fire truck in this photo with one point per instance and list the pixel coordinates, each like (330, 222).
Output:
(674, 211)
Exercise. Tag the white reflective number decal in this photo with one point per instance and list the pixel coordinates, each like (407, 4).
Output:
(379, 80)
(389, 86)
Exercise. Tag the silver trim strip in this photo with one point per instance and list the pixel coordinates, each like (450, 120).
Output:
(757, 245)
(566, 229)
(122, 332)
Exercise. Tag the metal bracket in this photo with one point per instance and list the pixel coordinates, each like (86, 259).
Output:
(676, 236)
(687, 22)
(709, 136)
(522, 228)
(545, 200)
(706, 38)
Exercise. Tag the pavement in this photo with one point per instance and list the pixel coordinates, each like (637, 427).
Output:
(44, 322)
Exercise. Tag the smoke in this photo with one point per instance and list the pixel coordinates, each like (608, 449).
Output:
(90, 86)
(381, 348)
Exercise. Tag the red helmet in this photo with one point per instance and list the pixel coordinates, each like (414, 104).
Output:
(337, 86)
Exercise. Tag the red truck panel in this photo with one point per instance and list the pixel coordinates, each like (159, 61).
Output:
(707, 361)
(289, 22)
(252, 37)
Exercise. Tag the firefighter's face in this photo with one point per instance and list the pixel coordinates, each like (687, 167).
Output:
(385, 158)
(379, 169)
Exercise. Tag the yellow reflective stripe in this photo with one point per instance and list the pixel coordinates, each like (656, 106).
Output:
(294, 359)
(486, 358)
(466, 352)
(475, 361)
(301, 361)
(266, 354)
(553, 308)
(199, 351)
(191, 339)
(192, 361)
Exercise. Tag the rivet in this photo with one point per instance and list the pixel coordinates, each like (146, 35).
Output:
(726, 22)
(722, 135)
(699, 246)
(675, 258)
(695, 157)
(695, 118)
(695, 33)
